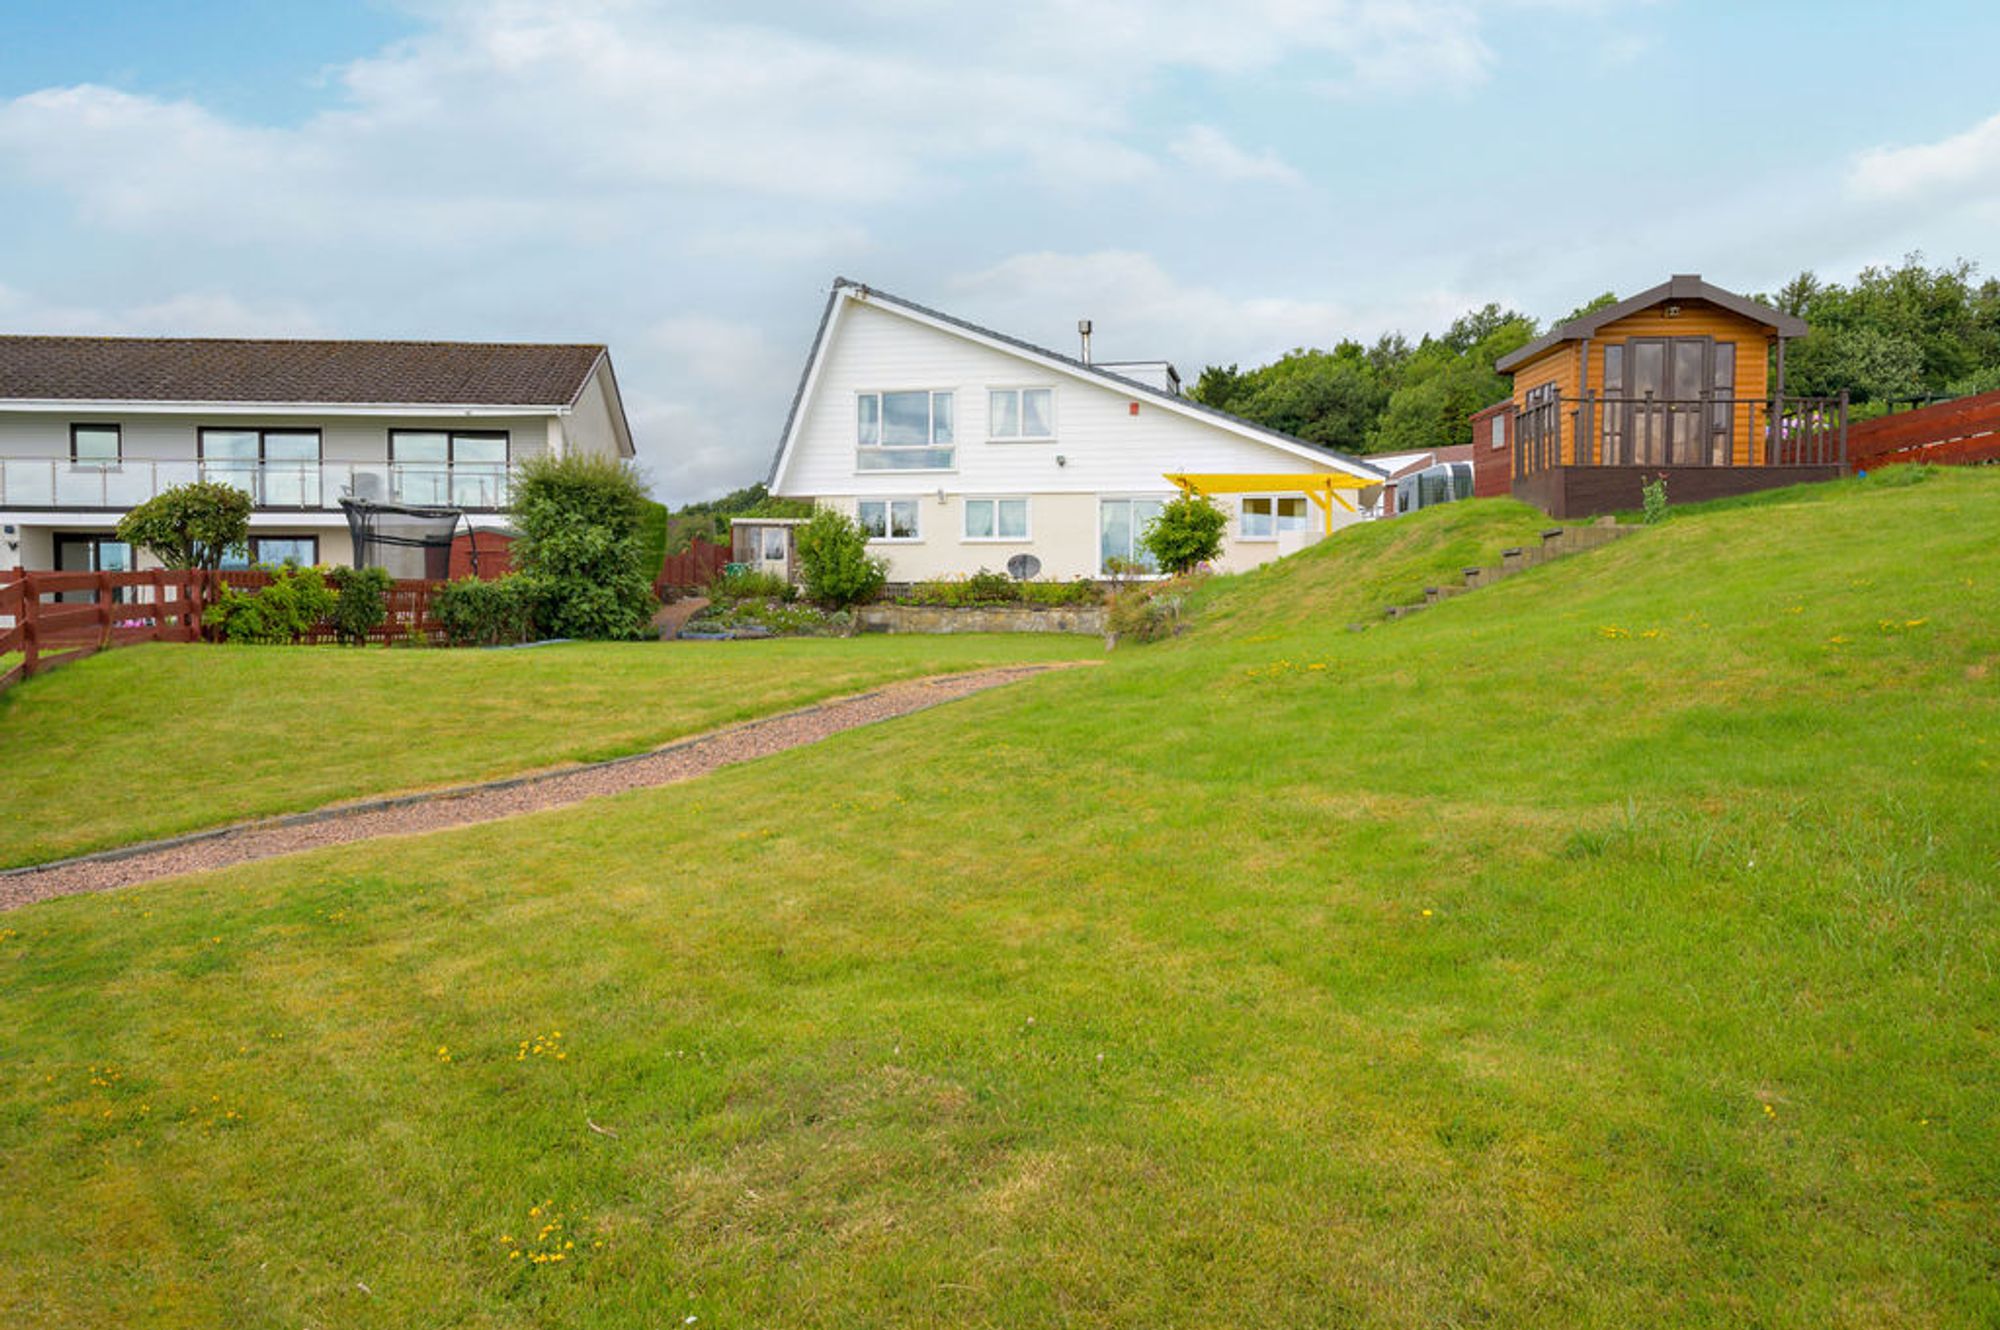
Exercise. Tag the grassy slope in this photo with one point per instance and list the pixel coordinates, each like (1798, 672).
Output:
(1518, 967)
(154, 740)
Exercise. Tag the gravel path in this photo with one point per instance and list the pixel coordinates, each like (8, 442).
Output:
(462, 804)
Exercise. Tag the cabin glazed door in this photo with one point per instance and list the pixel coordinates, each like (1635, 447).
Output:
(1665, 419)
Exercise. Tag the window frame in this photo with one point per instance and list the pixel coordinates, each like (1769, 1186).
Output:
(451, 438)
(888, 502)
(118, 438)
(1020, 414)
(256, 540)
(1132, 548)
(886, 451)
(262, 460)
(1027, 535)
(1272, 498)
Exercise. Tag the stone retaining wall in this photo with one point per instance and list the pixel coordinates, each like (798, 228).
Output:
(1084, 619)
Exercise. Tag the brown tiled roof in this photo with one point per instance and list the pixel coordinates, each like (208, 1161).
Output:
(184, 369)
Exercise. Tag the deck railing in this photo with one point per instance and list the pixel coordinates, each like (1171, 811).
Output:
(58, 483)
(1712, 430)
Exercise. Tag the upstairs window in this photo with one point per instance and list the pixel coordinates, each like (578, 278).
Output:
(1021, 413)
(456, 468)
(94, 445)
(888, 519)
(903, 431)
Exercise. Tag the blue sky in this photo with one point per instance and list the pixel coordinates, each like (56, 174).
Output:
(1206, 182)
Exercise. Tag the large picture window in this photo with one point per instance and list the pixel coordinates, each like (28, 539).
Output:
(996, 519)
(904, 431)
(277, 468)
(449, 468)
(1120, 524)
(1021, 413)
(1265, 515)
(888, 519)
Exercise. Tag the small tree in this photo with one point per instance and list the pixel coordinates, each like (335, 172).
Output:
(582, 545)
(834, 562)
(1187, 532)
(190, 526)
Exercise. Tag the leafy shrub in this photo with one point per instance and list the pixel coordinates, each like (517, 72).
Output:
(1146, 612)
(776, 617)
(748, 584)
(984, 588)
(1653, 495)
(282, 612)
(358, 607)
(1082, 591)
(190, 526)
(476, 613)
(1187, 532)
(834, 562)
(582, 545)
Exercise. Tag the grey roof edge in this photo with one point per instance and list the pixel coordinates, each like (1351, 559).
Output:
(842, 284)
(621, 422)
(805, 375)
(1681, 286)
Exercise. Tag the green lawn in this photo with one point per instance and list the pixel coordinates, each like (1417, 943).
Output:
(1615, 946)
(153, 740)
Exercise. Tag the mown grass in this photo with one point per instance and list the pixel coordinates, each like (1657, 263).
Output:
(1615, 946)
(157, 739)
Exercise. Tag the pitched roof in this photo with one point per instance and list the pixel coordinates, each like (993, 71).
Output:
(354, 373)
(1683, 286)
(843, 288)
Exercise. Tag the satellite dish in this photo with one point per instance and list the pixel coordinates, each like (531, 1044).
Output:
(1024, 567)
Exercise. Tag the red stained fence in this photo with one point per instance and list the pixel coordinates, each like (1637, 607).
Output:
(84, 613)
(1959, 432)
(701, 564)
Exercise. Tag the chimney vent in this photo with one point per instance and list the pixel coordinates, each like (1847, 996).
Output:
(1083, 332)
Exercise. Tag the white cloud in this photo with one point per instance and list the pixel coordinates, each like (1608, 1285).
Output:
(185, 314)
(1209, 151)
(1965, 163)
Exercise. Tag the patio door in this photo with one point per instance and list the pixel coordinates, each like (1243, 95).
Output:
(1672, 427)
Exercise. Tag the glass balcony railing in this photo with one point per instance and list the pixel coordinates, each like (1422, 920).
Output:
(59, 483)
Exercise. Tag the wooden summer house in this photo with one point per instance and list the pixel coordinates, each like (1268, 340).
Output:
(1685, 380)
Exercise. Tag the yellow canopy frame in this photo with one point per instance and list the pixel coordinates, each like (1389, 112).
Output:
(1324, 488)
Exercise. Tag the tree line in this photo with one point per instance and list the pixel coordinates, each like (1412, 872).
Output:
(1891, 336)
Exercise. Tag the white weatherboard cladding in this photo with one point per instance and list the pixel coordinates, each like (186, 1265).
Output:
(1106, 449)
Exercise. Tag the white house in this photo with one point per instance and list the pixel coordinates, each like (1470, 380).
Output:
(92, 426)
(959, 448)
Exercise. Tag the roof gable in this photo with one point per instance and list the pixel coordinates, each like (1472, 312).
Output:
(845, 292)
(355, 373)
(1686, 286)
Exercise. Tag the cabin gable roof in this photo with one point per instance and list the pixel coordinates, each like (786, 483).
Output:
(1684, 287)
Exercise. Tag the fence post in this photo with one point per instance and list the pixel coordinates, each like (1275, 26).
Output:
(1843, 429)
(31, 634)
(101, 593)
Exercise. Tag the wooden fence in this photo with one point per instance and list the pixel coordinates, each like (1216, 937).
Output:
(701, 564)
(1960, 432)
(49, 618)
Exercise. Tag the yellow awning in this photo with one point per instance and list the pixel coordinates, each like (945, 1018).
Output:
(1324, 488)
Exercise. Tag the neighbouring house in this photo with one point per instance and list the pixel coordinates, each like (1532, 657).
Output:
(92, 426)
(959, 449)
(1684, 380)
(1422, 480)
(1492, 459)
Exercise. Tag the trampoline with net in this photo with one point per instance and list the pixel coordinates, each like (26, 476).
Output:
(405, 541)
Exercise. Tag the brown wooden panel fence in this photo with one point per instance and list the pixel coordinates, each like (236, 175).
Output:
(701, 564)
(51, 618)
(1960, 432)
